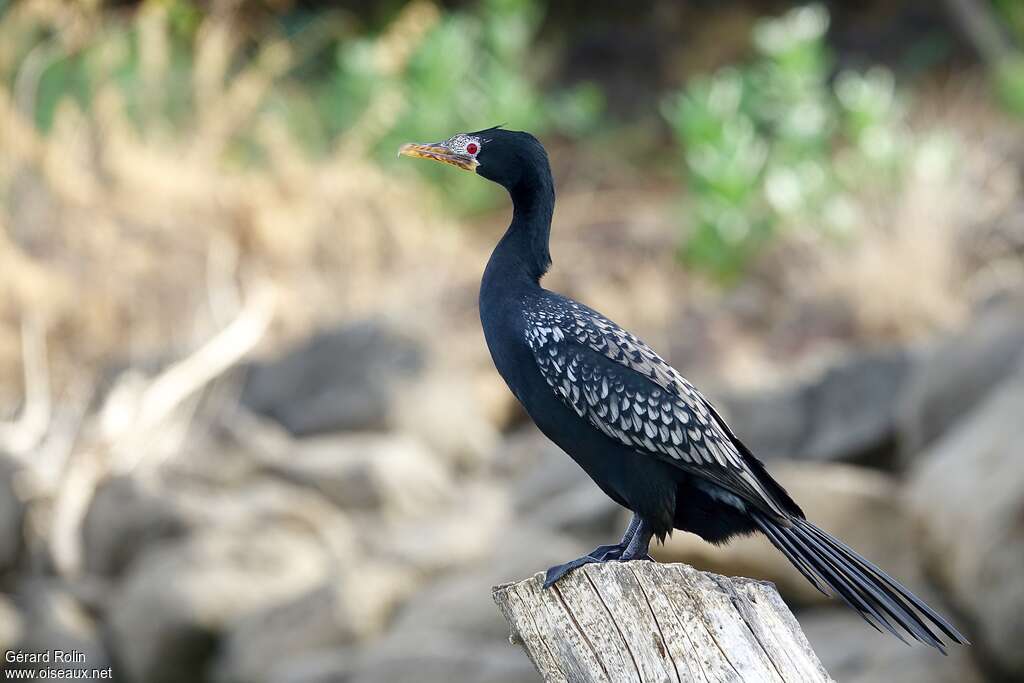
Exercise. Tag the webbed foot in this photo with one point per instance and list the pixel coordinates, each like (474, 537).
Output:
(602, 553)
(633, 546)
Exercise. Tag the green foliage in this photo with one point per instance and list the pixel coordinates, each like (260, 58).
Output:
(76, 71)
(471, 71)
(1011, 15)
(1007, 74)
(1008, 79)
(773, 145)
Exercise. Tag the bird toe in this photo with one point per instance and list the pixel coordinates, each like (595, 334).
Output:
(602, 553)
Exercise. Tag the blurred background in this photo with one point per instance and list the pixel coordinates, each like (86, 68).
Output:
(250, 430)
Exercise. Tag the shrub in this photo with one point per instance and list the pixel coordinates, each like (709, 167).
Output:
(776, 144)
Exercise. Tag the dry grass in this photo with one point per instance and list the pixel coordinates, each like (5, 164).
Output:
(140, 245)
(125, 243)
(911, 268)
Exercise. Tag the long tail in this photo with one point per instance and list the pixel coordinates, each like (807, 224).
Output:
(881, 600)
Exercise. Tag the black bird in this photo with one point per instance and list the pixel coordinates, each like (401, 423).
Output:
(645, 435)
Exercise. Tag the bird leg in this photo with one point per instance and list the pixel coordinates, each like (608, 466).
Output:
(639, 544)
(633, 546)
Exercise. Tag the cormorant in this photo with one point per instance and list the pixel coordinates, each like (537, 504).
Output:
(644, 434)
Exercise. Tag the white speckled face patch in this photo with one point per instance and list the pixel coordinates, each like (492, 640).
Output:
(469, 145)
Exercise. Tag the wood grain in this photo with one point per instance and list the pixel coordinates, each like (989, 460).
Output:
(651, 622)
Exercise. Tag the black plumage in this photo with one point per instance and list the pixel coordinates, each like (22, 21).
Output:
(643, 433)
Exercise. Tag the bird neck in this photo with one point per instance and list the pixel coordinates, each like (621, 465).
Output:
(523, 255)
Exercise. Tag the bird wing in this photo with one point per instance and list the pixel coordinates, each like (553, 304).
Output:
(626, 390)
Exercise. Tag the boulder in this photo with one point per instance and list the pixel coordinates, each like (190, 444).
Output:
(453, 603)
(265, 498)
(553, 491)
(583, 511)
(345, 609)
(367, 376)
(522, 454)
(440, 658)
(174, 604)
(450, 632)
(955, 374)
(460, 534)
(851, 406)
(965, 496)
(338, 379)
(498, 404)
(442, 409)
(11, 624)
(853, 652)
(843, 413)
(125, 518)
(862, 507)
(772, 421)
(396, 475)
(54, 620)
(12, 516)
(334, 665)
(447, 630)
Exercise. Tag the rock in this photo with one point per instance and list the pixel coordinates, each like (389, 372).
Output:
(966, 498)
(455, 536)
(12, 516)
(438, 658)
(583, 511)
(11, 624)
(172, 607)
(773, 422)
(125, 518)
(344, 378)
(442, 410)
(498, 404)
(453, 605)
(340, 611)
(446, 627)
(265, 498)
(367, 377)
(861, 506)
(553, 491)
(374, 472)
(957, 373)
(853, 652)
(336, 665)
(54, 620)
(521, 454)
(852, 406)
(447, 632)
(844, 413)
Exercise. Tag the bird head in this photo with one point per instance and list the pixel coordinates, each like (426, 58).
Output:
(507, 157)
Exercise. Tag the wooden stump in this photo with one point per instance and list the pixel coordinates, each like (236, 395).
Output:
(645, 621)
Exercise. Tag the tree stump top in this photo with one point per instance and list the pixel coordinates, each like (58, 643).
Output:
(645, 621)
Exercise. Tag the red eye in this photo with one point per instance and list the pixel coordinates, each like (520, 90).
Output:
(472, 148)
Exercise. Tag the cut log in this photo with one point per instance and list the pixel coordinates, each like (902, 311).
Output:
(645, 621)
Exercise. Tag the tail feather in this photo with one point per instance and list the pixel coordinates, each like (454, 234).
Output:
(846, 551)
(881, 600)
(844, 583)
(869, 597)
